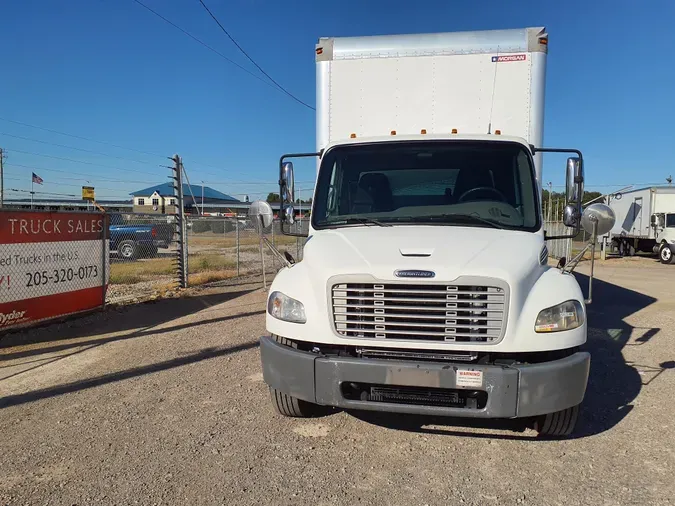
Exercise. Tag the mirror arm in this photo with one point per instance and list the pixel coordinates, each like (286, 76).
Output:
(577, 180)
(284, 229)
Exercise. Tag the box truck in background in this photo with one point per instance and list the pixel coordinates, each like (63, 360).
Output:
(424, 285)
(645, 221)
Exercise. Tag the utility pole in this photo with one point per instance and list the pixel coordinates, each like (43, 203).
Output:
(202, 198)
(2, 179)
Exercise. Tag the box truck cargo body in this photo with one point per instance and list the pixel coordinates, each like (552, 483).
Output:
(645, 221)
(424, 285)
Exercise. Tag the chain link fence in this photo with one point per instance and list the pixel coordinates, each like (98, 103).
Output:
(558, 248)
(142, 255)
(222, 248)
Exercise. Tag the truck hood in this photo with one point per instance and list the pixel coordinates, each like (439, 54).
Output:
(448, 251)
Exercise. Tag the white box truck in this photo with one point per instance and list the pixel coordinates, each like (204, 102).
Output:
(424, 285)
(645, 221)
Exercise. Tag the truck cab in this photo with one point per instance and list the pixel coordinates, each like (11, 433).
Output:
(664, 231)
(424, 285)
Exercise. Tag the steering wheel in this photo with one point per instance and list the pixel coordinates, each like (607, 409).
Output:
(482, 188)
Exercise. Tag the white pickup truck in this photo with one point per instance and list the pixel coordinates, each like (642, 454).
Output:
(425, 285)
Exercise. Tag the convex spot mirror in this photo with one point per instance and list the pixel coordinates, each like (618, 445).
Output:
(260, 213)
(600, 214)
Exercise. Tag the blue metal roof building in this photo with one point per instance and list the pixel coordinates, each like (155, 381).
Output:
(166, 190)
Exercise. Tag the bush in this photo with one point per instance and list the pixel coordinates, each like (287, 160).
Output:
(218, 227)
(200, 226)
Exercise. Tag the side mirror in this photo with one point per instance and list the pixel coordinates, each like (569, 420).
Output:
(571, 216)
(654, 220)
(287, 191)
(574, 181)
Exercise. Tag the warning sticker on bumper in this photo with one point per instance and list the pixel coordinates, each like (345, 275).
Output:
(469, 378)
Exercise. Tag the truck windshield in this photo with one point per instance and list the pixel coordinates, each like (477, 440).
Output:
(476, 184)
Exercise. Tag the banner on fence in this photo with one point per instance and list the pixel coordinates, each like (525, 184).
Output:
(51, 264)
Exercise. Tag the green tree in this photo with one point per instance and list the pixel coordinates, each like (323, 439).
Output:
(273, 197)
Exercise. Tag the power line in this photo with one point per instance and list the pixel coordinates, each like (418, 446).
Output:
(41, 193)
(73, 147)
(81, 138)
(240, 67)
(196, 164)
(85, 177)
(83, 162)
(251, 59)
(70, 185)
(90, 177)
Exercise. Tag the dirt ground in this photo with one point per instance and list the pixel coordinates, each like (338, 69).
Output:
(163, 403)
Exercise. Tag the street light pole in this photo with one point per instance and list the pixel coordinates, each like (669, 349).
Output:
(202, 198)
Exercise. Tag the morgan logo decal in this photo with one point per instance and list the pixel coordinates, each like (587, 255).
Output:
(509, 57)
(412, 273)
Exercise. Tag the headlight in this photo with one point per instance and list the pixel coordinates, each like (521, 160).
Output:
(283, 307)
(566, 316)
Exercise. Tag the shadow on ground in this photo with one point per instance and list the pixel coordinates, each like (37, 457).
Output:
(140, 319)
(46, 345)
(613, 384)
(76, 386)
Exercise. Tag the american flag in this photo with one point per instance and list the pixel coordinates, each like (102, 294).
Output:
(37, 179)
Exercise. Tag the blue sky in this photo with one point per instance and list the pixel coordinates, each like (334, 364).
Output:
(109, 70)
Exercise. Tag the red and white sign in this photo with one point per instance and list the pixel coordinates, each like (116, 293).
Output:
(51, 264)
(466, 378)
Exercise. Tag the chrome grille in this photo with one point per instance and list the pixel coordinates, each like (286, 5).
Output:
(445, 313)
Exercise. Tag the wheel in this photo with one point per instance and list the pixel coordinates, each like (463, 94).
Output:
(665, 254)
(560, 423)
(287, 405)
(127, 250)
(622, 248)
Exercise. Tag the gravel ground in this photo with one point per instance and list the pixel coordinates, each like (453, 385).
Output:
(163, 403)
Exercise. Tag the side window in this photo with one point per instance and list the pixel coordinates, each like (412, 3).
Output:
(141, 202)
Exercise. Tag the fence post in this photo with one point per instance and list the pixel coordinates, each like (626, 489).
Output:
(104, 237)
(237, 248)
(181, 229)
(274, 243)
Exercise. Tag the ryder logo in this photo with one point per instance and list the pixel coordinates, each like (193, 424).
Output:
(509, 57)
(10, 318)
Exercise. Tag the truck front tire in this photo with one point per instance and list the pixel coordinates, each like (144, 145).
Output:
(286, 405)
(665, 254)
(560, 423)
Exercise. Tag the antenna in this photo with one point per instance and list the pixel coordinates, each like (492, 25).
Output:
(494, 85)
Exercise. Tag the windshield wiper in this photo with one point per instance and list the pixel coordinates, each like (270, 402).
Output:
(453, 217)
(364, 221)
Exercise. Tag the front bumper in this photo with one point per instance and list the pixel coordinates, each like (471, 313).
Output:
(512, 391)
